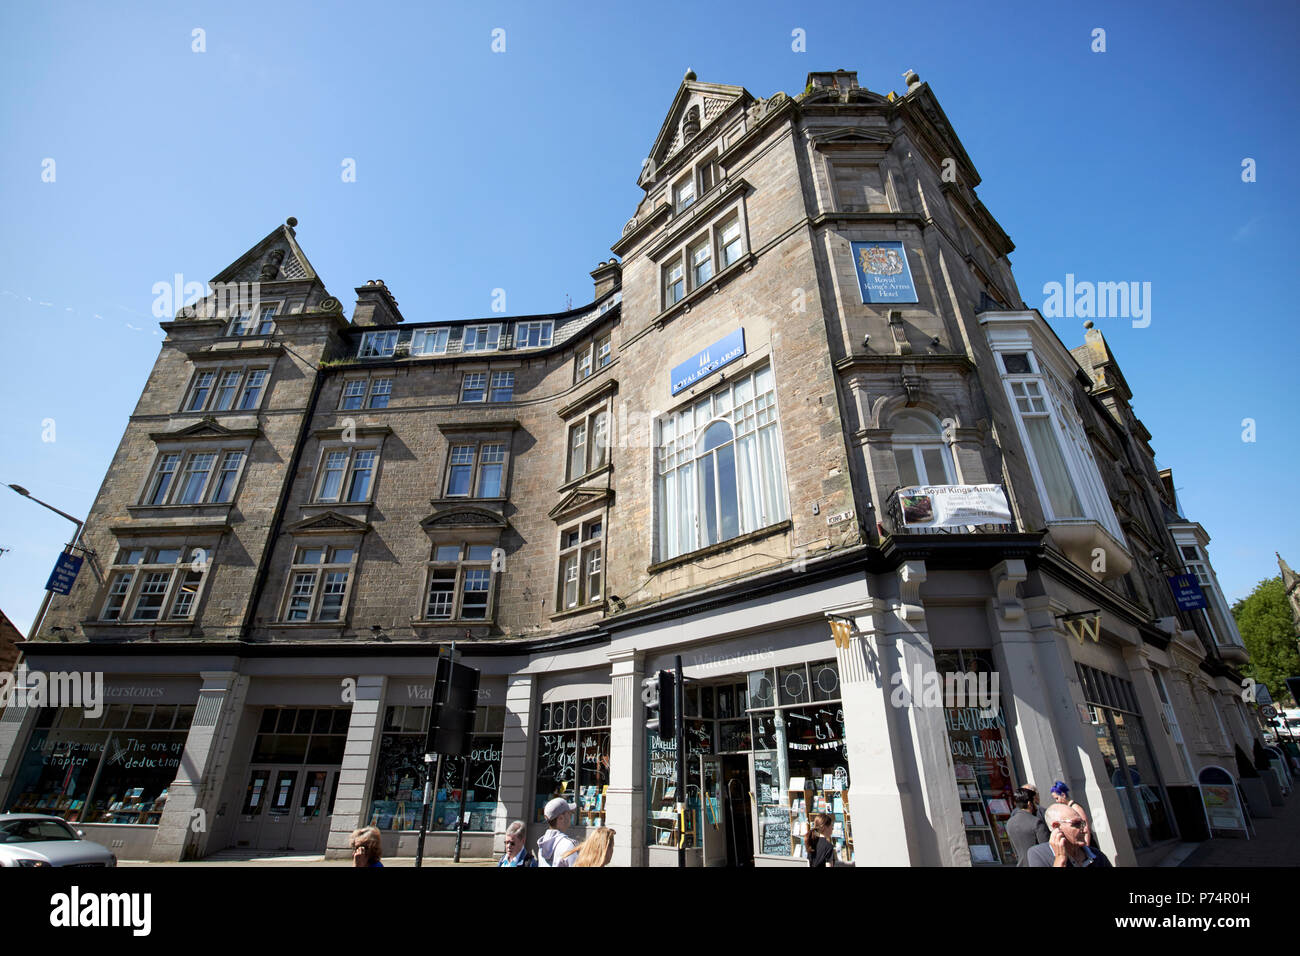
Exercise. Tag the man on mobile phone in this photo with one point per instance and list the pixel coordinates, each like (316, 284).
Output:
(1068, 845)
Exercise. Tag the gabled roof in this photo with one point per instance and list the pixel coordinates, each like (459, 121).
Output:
(293, 262)
(712, 100)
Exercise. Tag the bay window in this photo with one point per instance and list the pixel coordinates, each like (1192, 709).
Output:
(719, 466)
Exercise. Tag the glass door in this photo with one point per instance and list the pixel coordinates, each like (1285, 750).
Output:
(712, 801)
(310, 823)
(277, 829)
(248, 827)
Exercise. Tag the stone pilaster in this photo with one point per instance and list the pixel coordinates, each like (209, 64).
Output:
(625, 807)
(192, 797)
(360, 753)
(516, 759)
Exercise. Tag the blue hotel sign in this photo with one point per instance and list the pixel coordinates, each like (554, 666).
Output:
(883, 273)
(64, 573)
(1187, 592)
(703, 364)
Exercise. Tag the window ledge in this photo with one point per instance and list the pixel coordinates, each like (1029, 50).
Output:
(1080, 538)
(211, 511)
(692, 556)
(715, 284)
(572, 483)
(469, 627)
(575, 612)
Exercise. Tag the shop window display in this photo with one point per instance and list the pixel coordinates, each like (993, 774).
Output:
(1122, 741)
(573, 758)
(398, 791)
(982, 762)
(663, 828)
(115, 768)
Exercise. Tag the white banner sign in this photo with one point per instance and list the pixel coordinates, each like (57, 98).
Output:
(951, 506)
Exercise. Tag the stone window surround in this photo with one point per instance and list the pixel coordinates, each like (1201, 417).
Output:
(477, 434)
(217, 368)
(464, 537)
(369, 394)
(328, 541)
(195, 555)
(255, 316)
(708, 230)
(582, 550)
(318, 475)
(241, 441)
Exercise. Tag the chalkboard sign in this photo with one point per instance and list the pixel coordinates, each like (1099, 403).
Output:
(776, 831)
(763, 770)
(558, 757)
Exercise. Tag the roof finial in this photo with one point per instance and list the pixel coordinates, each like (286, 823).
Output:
(911, 79)
(690, 75)
(1088, 324)
(291, 222)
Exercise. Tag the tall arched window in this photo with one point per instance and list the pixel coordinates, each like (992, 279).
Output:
(719, 512)
(919, 451)
(719, 467)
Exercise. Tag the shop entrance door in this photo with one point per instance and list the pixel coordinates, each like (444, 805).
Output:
(287, 808)
(737, 810)
(713, 837)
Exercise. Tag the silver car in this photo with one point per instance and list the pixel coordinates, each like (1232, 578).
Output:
(34, 839)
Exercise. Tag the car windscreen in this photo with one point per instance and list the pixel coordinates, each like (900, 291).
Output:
(34, 831)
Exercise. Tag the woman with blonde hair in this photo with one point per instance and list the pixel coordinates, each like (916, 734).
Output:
(596, 850)
(367, 847)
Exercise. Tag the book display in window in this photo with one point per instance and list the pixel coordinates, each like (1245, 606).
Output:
(808, 797)
(663, 824)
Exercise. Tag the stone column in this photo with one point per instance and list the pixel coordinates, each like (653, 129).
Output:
(1082, 767)
(1017, 654)
(625, 801)
(192, 797)
(882, 830)
(923, 728)
(360, 753)
(512, 796)
(16, 725)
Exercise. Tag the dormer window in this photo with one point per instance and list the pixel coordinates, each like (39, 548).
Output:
(534, 335)
(429, 341)
(377, 344)
(481, 338)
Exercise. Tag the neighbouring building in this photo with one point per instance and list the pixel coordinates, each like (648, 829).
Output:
(806, 392)
(9, 638)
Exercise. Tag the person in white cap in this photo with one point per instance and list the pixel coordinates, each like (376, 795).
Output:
(554, 846)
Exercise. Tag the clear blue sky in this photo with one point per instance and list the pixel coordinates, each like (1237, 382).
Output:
(477, 170)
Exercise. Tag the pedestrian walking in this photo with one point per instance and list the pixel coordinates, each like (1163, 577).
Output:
(818, 841)
(367, 847)
(596, 850)
(517, 852)
(554, 845)
(1025, 828)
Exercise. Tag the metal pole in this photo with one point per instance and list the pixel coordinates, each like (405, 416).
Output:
(460, 807)
(680, 695)
(424, 807)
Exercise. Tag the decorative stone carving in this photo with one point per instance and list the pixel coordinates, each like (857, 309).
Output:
(910, 578)
(1006, 576)
(271, 265)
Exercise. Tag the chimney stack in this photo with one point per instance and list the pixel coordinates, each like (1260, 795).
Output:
(375, 305)
(607, 275)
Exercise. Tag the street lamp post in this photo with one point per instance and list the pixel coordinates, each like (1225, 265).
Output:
(67, 549)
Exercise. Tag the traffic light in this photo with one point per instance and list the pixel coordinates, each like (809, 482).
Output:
(658, 693)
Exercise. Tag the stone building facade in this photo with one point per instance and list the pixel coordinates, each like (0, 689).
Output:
(810, 323)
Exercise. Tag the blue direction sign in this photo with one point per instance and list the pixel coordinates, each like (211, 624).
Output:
(704, 363)
(64, 573)
(1187, 592)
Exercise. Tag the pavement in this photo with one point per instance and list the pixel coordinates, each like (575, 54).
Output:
(1276, 842)
(264, 858)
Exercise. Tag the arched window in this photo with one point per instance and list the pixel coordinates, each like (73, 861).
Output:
(719, 511)
(719, 467)
(919, 451)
